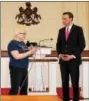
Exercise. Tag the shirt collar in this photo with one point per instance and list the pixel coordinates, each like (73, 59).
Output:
(70, 26)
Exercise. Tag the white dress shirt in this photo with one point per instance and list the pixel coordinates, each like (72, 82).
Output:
(69, 27)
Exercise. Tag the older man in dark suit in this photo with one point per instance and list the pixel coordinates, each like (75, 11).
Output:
(70, 44)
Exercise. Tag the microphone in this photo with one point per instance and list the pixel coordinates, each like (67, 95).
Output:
(45, 40)
(28, 43)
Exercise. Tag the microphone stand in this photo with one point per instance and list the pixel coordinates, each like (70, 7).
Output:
(44, 40)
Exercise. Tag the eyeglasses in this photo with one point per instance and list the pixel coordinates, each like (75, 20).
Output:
(23, 33)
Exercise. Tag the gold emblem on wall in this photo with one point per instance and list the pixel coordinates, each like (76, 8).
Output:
(28, 16)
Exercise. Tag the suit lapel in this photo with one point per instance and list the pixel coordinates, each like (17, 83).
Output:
(64, 34)
(73, 27)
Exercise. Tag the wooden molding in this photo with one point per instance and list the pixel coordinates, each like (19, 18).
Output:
(85, 53)
(4, 53)
(43, 60)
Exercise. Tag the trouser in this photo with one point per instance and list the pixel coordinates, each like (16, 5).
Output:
(17, 77)
(72, 69)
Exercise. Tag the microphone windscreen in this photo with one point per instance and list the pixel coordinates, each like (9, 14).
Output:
(34, 43)
(28, 44)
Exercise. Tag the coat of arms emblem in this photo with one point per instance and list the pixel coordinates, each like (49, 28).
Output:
(28, 16)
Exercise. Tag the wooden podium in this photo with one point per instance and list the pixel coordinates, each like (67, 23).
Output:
(38, 86)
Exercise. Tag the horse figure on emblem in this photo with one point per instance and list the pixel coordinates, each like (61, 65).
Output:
(28, 16)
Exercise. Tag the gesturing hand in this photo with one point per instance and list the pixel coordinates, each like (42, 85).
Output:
(33, 50)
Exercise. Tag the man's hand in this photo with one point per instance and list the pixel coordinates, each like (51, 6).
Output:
(66, 57)
(63, 57)
(69, 57)
(60, 56)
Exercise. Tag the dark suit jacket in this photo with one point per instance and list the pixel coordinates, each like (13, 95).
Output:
(74, 45)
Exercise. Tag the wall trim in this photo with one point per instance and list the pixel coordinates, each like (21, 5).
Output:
(84, 54)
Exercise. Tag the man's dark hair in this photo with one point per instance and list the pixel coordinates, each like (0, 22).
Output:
(69, 14)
